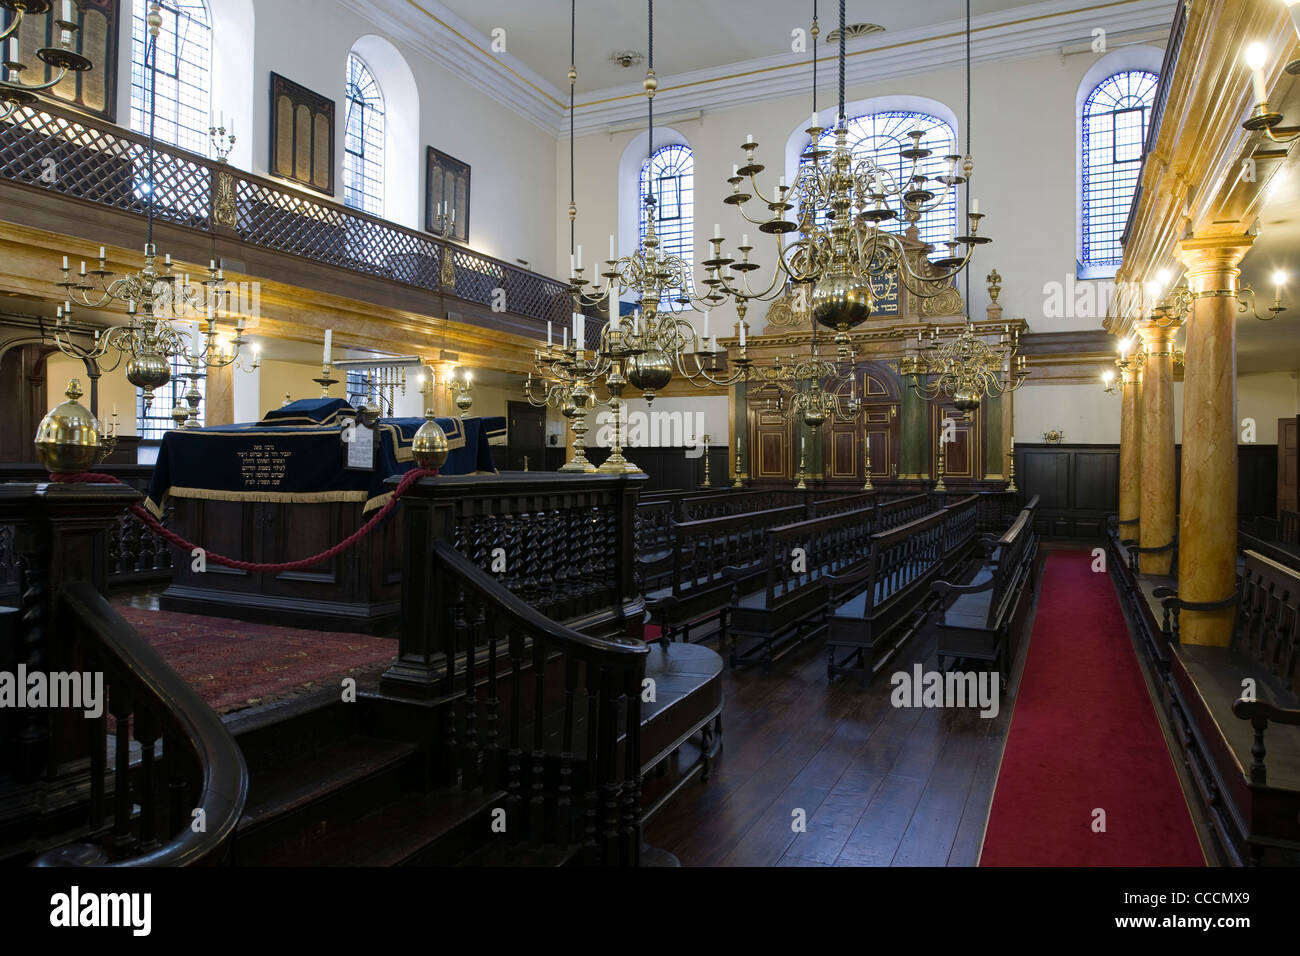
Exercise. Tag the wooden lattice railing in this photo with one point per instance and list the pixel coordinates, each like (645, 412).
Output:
(73, 155)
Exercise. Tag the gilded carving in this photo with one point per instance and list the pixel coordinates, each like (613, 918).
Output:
(223, 211)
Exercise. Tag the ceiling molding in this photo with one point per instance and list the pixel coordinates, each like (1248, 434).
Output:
(1028, 31)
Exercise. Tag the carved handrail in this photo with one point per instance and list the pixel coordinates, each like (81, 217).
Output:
(594, 801)
(148, 700)
(104, 164)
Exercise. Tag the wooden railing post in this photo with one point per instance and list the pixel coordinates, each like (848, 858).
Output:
(61, 538)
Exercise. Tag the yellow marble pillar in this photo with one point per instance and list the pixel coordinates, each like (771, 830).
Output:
(1157, 454)
(1130, 453)
(1207, 534)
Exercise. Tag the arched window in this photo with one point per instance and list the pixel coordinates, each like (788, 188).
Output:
(1115, 119)
(669, 176)
(183, 101)
(363, 141)
(881, 136)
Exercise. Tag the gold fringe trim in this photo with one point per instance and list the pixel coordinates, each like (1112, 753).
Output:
(304, 497)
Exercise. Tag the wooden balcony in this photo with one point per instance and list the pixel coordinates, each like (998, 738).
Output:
(72, 175)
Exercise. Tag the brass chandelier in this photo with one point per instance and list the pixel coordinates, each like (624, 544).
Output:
(842, 199)
(153, 296)
(14, 93)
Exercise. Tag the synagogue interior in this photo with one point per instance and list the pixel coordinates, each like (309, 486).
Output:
(817, 434)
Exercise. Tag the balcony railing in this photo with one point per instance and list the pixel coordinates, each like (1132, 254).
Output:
(72, 155)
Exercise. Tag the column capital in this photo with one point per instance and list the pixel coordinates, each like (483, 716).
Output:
(1157, 336)
(1212, 262)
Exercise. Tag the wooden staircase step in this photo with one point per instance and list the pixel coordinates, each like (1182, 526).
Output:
(303, 798)
(437, 828)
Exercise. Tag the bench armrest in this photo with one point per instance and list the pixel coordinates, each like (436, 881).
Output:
(942, 588)
(1259, 713)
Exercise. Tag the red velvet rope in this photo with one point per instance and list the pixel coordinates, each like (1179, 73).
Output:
(408, 479)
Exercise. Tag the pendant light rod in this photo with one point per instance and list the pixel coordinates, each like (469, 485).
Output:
(843, 32)
(650, 98)
(573, 79)
(815, 31)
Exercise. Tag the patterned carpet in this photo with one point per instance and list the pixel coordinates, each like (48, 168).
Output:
(238, 664)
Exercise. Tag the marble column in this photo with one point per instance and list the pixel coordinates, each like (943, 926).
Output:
(1130, 453)
(1157, 431)
(1207, 535)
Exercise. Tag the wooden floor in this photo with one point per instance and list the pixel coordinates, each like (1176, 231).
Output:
(879, 785)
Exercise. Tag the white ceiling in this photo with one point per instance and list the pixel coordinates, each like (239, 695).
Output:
(726, 51)
(689, 34)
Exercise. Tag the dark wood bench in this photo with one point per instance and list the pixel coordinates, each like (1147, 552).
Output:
(1244, 755)
(982, 619)
(772, 618)
(894, 587)
(693, 584)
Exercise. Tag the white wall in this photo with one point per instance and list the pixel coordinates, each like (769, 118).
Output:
(1023, 142)
(512, 162)
(1085, 413)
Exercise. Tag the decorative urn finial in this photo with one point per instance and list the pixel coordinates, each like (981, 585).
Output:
(67, 440)
(429, 446)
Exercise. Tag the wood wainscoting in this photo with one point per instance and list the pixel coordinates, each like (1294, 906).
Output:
(1078, 484)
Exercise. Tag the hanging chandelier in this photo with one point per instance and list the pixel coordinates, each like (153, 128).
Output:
(835, 210)
(149, 340)
(14, 93)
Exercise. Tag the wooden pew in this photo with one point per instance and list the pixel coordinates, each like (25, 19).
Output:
(697, 508)
(984, 617)
(793, 592)
(691, 584)
(1244, 755)
(894, 587)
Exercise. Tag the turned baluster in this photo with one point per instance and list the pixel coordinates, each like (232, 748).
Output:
(492, 717)
(120, 706)
(564, 793)
(456, 639)
(470, 772)
(514, 793)
(607, 761)
(631, 833)
(590, 798)
(146, 736)
(537, 796)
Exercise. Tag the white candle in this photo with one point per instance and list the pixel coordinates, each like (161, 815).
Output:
(812, 123)
(573, 265)
(548, 333)
(167, 260)
(580, 330)
(68, 15)
(613, 303)
(579, 255)
(239, 326)
(713, 344)
(974, 206)
(735, 171)
(83, 267)
(1013, 441)
(329, 338)
(782, 183)
(212, 265)
(706, 323)
(65, 263)
(1256, 55)
(717, 231)
(130, 306)
(101, 253)
(611, 247)
(194, 339)
(803, 443)
(749, 138)
(742, 334)
(566, 339)
(744, 240)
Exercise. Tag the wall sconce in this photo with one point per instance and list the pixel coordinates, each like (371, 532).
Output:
(1262, 118)
(1247, 293)
(1108, 382)
(460, 387)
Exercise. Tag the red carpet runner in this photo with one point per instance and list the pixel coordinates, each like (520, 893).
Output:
(237, 664)
(1084, 737)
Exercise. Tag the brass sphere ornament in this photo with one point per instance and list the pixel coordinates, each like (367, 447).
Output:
(966, 400)
(814, 417)
(842, 301)
(67, 440)
(429, 446)
(649, 372)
